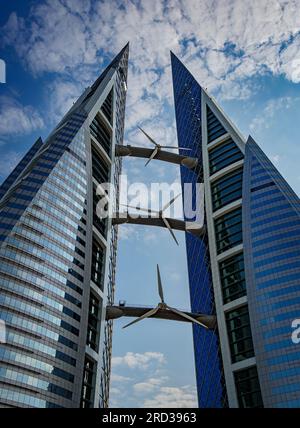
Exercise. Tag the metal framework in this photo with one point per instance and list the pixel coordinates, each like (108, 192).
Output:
(162, 155)
(114, 312)
(185, 226)
(157, 218)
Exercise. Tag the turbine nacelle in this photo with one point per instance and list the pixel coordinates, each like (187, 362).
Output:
(162, 155)
(160, 214)
(162, 305)
(158, 147)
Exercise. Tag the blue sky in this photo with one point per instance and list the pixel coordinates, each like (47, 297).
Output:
(248, 56)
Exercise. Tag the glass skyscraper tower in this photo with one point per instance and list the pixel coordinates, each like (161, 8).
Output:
(246, 267)
(57, 257)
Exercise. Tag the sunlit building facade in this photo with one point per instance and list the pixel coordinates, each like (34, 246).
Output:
(246, 267)
(57, 257)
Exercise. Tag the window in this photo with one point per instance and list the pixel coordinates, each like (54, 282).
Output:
(100, 169)
(101, 133)
(97, 264)
(239, 334)
(87, 394)
(228, 230)
(107, 107)
(223, 155)
(227, 189)
(214, 127)
(93, 321)
(248, 388)
(232, 278)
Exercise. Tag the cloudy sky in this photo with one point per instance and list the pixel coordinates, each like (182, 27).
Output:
(247, 54)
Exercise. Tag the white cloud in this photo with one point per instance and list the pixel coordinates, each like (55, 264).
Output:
(127, 231)
(116, 393)
(219, 64)
(290, 61)
(119, 378)
(138, 361)
(63, 94)
(273, 106)
(16, 119)
(149, 385)
(141, 109)
(138, 375)
(56, 37)
(143, 388)
(223, 43)
(173, 397)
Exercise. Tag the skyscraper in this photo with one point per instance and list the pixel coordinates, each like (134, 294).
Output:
(246, 267)
(57, 257)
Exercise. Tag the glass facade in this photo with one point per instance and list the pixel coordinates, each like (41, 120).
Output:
(214, 128)
(226, 189)
(58, 258)
(248, 388)
(97, 271)
(272, 267)
(230, 271)
(111, 251)
(224, 155)
(55, 279)
(250, 275)
(232, 276)
(25, 257)
(101, 132)
(92, 337)
(107, 107)
(88, 385)
(239, 333)
(208, 361)
(100, 168)
(228, 230)
(215, 261)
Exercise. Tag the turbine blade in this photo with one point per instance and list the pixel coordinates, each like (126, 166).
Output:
(147, 210)
(170, 147)
(154, 153)
(160, 288)
(170, 229)
(174, 147)
(148, 136)
(182, 314)
(170, 202)
(146, 315)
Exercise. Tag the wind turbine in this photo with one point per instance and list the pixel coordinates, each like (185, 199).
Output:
(162, 305)
(160, 214)
(158, 147)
